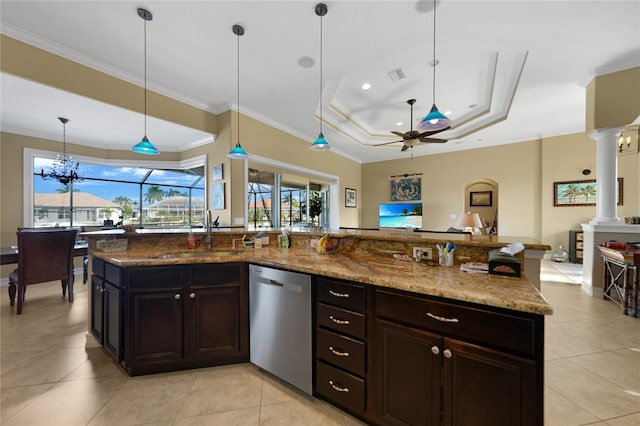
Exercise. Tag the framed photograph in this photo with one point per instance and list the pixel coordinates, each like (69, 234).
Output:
(579, 193)
(350, 197)
(481, 199)
(406, 189)
(217, 196)
(218, 171)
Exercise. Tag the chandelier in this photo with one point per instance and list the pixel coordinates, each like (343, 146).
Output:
(63, 169)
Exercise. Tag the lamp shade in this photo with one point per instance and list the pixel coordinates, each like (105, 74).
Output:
(320, 144)
(145, 147)
(238, 153)
(435, 120)
(469, 220)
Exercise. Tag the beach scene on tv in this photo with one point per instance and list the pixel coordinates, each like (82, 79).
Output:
(400, 215)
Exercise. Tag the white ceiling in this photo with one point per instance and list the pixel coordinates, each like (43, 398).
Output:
(525, 64)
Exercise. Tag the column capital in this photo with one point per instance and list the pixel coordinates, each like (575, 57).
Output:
(608, 132)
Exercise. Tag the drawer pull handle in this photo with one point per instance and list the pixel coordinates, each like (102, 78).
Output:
(447, 353)
(338, 352)
(435, 350)
(339, 320)
(334, 294)
(442, 319)
(176, 296)
(338, 387)
(192, 295)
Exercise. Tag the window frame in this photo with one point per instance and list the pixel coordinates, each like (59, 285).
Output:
(28, 172)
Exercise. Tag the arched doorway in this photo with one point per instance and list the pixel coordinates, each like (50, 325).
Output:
(481, 196)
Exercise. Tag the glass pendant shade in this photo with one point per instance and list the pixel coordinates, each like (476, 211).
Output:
(320, 144)
(435, 120)
(238, 153)
(145, 147)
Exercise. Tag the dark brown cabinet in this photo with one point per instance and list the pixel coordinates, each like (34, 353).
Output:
(341, 344)
(174, 317)
(438, 363)
(106, 307)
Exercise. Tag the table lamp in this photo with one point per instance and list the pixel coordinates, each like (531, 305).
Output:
(470, 222)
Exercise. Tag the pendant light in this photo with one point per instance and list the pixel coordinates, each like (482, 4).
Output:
(435, 120)
(238, 152)
(321, 143)
(64, 170)
(144, 146)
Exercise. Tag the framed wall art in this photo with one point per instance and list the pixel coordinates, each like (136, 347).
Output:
(350, 197)
(217, 196)
(218, 171)
(406, 189)
(481, 199)
(579, 193)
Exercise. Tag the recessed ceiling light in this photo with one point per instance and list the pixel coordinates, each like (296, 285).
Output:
(399, 123)
(306, 62)
(472, 106)
(366, 86)
(448, 113)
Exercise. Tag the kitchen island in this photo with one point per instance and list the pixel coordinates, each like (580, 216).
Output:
(432, 344)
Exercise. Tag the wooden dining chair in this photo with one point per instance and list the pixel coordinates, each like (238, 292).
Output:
(43, 256)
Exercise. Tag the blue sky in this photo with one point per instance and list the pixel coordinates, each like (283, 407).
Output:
(396, 209)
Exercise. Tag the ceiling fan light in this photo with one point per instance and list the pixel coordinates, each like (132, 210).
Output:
(238, 153)
(145, 147)
(435, 120)
(320, 144)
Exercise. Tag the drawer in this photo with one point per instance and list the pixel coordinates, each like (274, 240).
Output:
(155, 277)
(97, 267)
(580, 236)
(579, 245)
(493, 329)
(341, 294)
(113, 274)
(217, 273)
(341, 351)
(341, 388)
(341, 320)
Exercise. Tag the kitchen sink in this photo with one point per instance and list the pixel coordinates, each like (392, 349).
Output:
(188, 254)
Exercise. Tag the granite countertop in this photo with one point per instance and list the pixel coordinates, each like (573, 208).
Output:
(384, 271)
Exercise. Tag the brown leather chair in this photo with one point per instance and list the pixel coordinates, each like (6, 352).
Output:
(43, 255)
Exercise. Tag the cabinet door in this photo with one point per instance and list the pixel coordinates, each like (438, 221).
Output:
(407, 373)
(212, 323)
(486, 387)
(112, 320)
(155, 320)
(97, 312)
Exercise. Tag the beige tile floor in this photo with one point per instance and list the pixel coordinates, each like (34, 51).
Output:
(50, 377)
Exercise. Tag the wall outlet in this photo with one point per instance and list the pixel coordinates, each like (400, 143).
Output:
(425, 253)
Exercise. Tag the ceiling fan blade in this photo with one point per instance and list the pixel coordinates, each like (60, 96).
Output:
(433, 140)
(433, 132)
(404, 148)
(402, 135)
(387, 143)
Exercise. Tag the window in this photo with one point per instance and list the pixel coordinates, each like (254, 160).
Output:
(153, 194)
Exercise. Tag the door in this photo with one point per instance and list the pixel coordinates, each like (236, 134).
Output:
(156, 327)
(112, 320)
(212, 323)
(487, 387)
(97, 312)
(408, 369)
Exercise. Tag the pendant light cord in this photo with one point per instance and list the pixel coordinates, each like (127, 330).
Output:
(238, 88)
(434, 53)
(321, 73)
(145, 78)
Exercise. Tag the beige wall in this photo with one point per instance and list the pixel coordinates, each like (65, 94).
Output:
(613, 100)
(524, 172)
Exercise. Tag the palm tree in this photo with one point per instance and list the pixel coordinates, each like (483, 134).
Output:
(66, 188)
(175, 193)
(154, 194)
(587, 191)
(571, 191)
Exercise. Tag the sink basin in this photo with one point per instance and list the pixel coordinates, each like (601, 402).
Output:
(188, 254)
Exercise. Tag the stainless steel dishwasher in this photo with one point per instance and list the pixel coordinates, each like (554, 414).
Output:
(280, 324)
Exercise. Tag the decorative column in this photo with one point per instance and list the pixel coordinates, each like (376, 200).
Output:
(606, 175)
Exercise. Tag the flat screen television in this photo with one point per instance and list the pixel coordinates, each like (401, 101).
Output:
(400, 215)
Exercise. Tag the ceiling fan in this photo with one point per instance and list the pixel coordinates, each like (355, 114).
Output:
(414, 137)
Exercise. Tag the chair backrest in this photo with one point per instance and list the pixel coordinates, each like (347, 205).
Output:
(45, 255)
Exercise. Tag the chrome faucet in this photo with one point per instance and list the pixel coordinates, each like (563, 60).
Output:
(207, 237)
